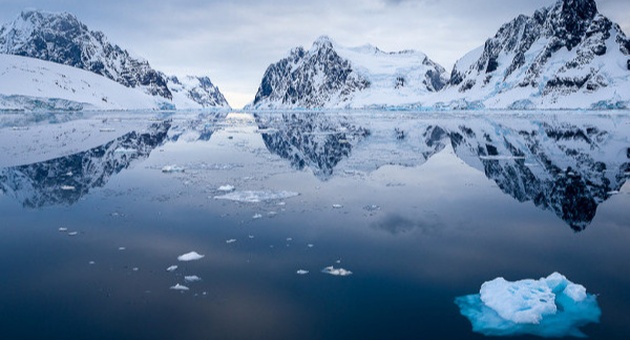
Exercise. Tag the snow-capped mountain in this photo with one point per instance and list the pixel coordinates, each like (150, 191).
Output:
(567, 55)
(191, 92)
(61, 38)
(332, 76)
(66, 179)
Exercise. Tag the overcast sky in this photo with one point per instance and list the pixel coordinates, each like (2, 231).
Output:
(234, 41)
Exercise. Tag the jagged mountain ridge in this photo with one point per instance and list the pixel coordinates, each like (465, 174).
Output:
(567, 55)
(61, 38)
(332, 76)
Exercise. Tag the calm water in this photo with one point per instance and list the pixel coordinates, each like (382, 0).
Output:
(420, 207)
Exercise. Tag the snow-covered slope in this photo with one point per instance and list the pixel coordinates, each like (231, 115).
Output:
(332, 76)
(61, 38)
(192, 92)
(30, 84)
(564, 56)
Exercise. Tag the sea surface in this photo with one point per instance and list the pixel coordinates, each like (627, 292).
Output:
(413, 209)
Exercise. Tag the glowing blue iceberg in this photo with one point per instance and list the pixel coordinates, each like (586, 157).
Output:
(549, 307)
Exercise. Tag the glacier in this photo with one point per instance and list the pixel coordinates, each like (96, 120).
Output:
(552, 306)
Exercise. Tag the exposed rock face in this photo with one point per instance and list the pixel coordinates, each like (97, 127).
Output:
(63, 39)
(332, 76)
(567, 48)
(199, 90)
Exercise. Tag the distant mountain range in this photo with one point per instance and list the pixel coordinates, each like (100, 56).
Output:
(565, 56)
(60, 38)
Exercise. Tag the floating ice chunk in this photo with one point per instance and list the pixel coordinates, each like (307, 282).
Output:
(232, 240)
(289, 239)
(310, 245)
(63, 229)
(180, 287)
(251, 237)
(67, 188)
(172, 168)
(171, 269)
(336, 271)
(226, 188)
(122, 248)
(257, 216)
(73, 233)
(192, 278)
(337, 206)
(92, 263)
(549, 307)
(192, 256)
(302, 272)
(256, 196)
(135, 269)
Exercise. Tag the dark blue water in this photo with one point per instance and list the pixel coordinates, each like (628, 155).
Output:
(421, 207)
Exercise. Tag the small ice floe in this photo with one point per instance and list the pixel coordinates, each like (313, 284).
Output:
(282, 204)
(73, 233)
(192, 278)
(337, 206)
(67, 188)
(172, 168)
(549, 307)
(171, 269)
(251, 237)
(249, 196)
(302, 272)
(257, 216)
(336, 271)
(192, 256)
(122, 248)
(289, 239)
(69, 174)
(180, 287)
(226, 188)
(232, 240)
(63, 229)
(272, 214)
(92, 263)
(310, 245)
(135, 269)
(107, 130)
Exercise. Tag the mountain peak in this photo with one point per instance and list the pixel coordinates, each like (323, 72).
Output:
(323, 42)
(584, 9)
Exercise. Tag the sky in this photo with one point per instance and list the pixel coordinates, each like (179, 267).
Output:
(234, 41)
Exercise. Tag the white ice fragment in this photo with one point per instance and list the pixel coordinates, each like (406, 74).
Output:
(180, 287)
(91, 262)
(282, 204)
(336, 271)
(122, 248)
(67, 188)
(257, 216)
(226, 188)
(256, 196)
(525, 301)
(192, 278)
(73, 233)
(251, 237)
(63, 229)
(232, 240)
(302, 272)
(135, 269)
(289, 239)
(310, 245)
(576, 292)
(192, 256)
(172, 168)
(337, 206)
(171, 268)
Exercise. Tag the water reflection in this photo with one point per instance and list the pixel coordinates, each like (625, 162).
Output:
(66, 179)
(565, 167)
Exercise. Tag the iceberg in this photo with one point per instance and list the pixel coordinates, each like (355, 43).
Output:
(192, 256)
(548, 307)
(256, 196)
